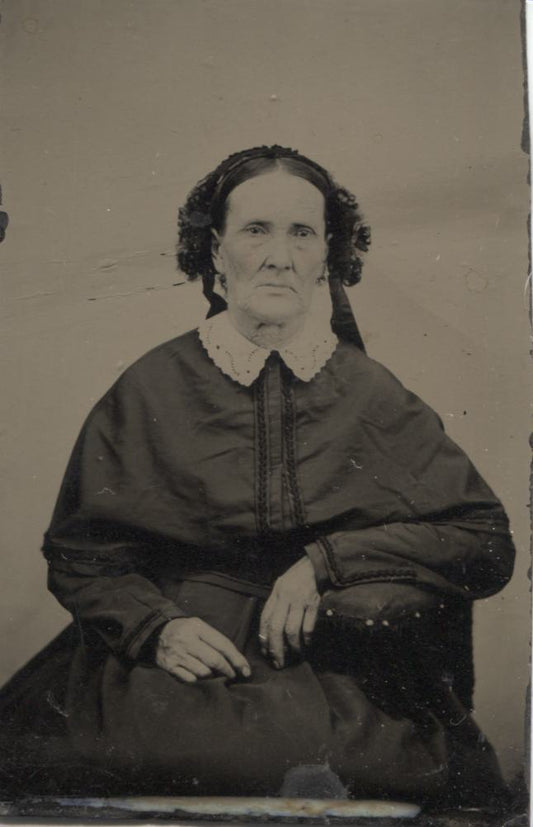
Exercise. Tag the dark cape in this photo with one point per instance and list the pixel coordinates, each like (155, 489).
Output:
(189, 494)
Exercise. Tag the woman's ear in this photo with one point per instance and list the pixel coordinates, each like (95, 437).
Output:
(216, 256)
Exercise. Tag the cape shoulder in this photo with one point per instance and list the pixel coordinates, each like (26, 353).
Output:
(171, 366)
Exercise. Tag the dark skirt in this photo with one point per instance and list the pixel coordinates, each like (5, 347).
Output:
(77, 720)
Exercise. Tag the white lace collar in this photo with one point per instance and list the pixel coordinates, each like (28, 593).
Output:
(242, 360)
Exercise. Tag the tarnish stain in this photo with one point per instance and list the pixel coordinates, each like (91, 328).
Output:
(475, 281)
(30, 25)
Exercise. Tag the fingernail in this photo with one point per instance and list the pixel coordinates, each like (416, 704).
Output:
(277, 664)
(246, 671)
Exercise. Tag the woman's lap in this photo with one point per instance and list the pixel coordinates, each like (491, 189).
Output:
(127, 728)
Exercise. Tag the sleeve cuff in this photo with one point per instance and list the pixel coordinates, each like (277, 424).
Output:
(315, 554)
(151, 624)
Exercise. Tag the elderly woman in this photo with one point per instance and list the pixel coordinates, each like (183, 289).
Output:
(269, 547)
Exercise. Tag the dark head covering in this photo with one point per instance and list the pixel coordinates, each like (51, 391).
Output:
(205, 209)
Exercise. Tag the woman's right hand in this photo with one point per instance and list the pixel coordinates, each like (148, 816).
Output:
(189, 648)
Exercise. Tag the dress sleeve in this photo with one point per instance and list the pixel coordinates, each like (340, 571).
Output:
(446, 529)
(99, 544)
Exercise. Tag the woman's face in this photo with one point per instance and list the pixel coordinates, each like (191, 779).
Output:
(273, 248)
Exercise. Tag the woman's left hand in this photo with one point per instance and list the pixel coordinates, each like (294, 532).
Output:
(289, 615)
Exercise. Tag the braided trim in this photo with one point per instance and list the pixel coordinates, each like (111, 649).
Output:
(289, 429)
(379, 575)
(134, 634)
(261, 476)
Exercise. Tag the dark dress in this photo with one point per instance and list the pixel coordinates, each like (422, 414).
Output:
(189, 494)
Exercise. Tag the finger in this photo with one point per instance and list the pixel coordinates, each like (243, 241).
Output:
(276, 634)
(264, 624)
(293, 627)
(309, 623)
(226, 648)
(194, 665)
(182, 674)
(212, 658)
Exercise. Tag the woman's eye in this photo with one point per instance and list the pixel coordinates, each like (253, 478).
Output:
(255, 229)
(303, 232)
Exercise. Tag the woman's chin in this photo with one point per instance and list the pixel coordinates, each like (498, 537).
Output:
(276, 309)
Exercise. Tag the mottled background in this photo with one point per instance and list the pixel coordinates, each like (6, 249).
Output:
(114, 108)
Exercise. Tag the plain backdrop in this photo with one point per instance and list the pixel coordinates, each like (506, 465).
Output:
(113, 110)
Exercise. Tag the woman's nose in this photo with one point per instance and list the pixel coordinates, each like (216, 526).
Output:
(279, 254)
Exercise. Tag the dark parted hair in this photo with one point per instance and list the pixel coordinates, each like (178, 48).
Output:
(206, 206)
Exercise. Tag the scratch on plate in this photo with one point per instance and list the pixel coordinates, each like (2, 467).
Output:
(53, 703)
(35, 295)
(134, 292)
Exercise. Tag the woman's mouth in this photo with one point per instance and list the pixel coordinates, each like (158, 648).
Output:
(274, 286)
